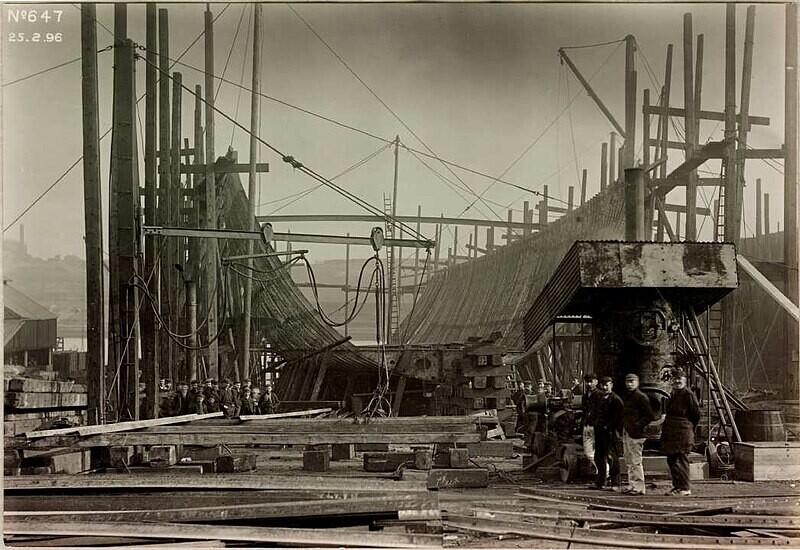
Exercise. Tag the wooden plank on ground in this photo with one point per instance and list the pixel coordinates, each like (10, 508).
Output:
(28, 400)
(44, 386)
(125, 439)
(123, 426)
(241, 482)
(282, 535)
(65, 542)
(271, 510)
(292, 414)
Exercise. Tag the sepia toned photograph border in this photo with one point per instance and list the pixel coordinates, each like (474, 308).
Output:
(238, 310)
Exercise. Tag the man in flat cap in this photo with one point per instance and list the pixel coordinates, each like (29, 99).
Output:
(636, 415)
(606, 434)
(677, 433)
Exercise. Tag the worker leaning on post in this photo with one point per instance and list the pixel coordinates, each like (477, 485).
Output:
(636, 415)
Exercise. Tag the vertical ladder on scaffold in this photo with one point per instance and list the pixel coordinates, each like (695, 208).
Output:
(391, 276)
(714, 315)
(720, 396)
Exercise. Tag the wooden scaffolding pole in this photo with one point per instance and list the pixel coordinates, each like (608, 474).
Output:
(125, 183)
(176, 245)
(690, 123)
(93, 216)
(164, 269)
(150, 357)
(629, 152)
(252, 185)
(732, 208)
(211, 200)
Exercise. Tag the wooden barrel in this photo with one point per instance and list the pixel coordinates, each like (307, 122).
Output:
(761, 425)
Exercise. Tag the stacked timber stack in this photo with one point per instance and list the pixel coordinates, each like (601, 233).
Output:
(32, 403)
(479, 381)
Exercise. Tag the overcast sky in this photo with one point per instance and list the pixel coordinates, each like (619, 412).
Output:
(479, 83)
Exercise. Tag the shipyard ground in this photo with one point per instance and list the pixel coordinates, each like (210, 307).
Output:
(516, 510)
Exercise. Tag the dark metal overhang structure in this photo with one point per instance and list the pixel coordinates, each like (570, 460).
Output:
(594, 274)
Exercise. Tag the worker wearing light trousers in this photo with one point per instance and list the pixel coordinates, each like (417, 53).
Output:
(636, 414)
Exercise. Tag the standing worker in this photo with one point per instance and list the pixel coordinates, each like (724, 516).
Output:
(677, 433)
(269, 401)
(606, 435)
(589, 403)
(636, 415)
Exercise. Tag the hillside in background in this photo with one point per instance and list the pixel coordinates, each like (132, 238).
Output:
(59, 285)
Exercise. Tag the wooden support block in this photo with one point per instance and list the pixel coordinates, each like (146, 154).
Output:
(479, 382)
(423, 459)
(316, 461)
(497, 360)
(163, 454)
(504, 449)
(386, 462)
(469, 478)
(767, 460)
(459, 458)
(495, 432)
(372, 447)
(120, 457)
(342, 451)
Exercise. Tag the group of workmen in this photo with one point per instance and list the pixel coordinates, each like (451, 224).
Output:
(232, 399)
(608, 418)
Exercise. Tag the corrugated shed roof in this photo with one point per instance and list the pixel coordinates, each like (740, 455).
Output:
(22, 306)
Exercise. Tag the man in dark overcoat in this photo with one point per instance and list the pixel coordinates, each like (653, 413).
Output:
(677, 433)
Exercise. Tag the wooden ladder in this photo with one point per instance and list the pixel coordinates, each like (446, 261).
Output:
(721, 396)
(391, 276)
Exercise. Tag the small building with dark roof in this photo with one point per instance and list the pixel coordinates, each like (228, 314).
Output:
(29, 329)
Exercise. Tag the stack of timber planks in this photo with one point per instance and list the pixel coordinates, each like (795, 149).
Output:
(478, 381)
(304, 511)
(730, 518)
(275, 431)
(31, 403)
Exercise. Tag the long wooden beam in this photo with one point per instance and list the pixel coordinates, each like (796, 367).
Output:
(289, 218)
(123, 426)
(263, 510)
(138, 438)
(282, 237)
(283, 535)
(704, 115)
(770, 289)
(125, 482)
(261, 167)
